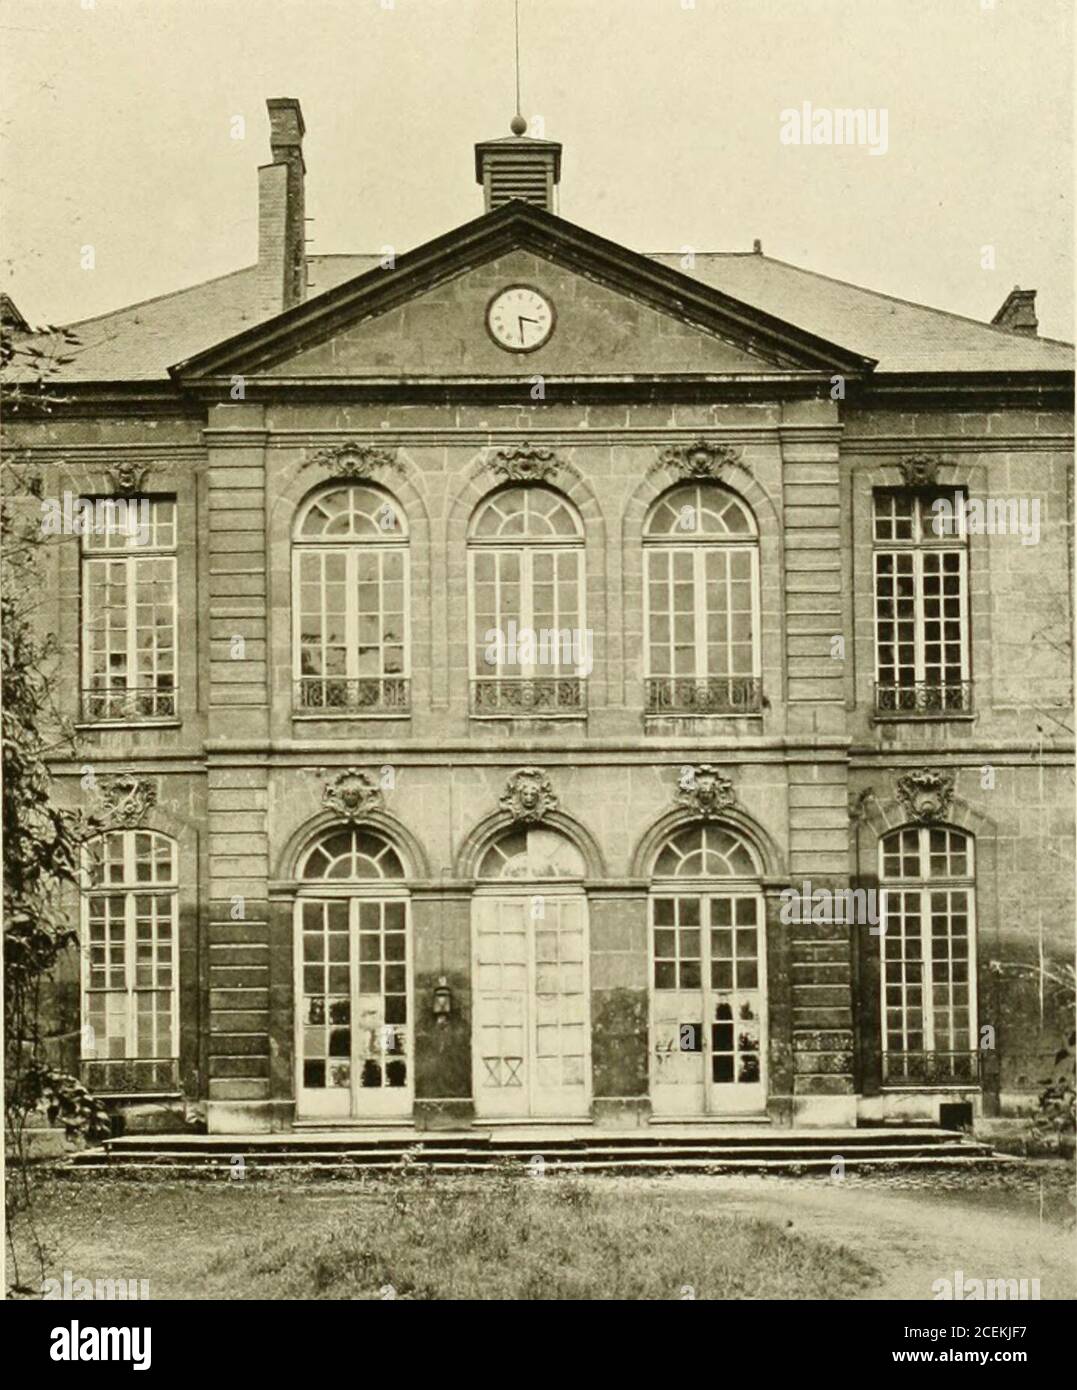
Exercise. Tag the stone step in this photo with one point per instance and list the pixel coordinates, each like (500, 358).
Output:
(610, 1153)
(546, 1142)
(711, 1164)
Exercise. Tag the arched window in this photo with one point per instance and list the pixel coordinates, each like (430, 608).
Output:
(705, 851)
(351, 854)
(353, 986)
(130, 976)
(350, 603)
(708, 1003)
(534, 853)
(701, 551)
(530, 651)
(928, 944)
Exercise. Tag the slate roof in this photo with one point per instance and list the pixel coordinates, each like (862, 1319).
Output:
(140, 342)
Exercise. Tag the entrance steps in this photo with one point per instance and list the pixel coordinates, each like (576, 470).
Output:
(655, 1149)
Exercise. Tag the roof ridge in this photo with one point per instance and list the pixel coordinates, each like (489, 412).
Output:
(908, 303)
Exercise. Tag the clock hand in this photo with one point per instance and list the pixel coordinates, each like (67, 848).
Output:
(521, 320)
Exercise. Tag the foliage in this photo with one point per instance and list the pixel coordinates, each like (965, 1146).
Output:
(41, 840)
(1055, 1120)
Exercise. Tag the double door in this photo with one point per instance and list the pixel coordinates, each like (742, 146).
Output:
(708, 1023)
(531, 1037)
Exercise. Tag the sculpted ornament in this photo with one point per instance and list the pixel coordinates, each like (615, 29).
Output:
(125, 799)
(920, 470)
(359, 461)
(926, 795)
(525, 464)
(528, 797)
(704, 789)
(352, 794)
(128, 476)
(703, 459)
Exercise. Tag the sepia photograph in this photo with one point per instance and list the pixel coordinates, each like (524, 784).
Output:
(537, 667)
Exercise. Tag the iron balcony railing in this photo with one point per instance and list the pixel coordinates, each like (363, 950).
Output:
(123, 1074)
(101, 702)
(362, 695)
(924, 698)
(705, 695)
(931, 1069)
(529, 695)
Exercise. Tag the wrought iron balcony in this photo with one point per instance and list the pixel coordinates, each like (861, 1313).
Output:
(923, 699)
(130, 1074)
(133, 702)
(687, 695)
(529, 696)
(931, 1069)
(362, 695)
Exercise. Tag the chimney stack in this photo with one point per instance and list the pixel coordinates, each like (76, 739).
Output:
(1018, 312)
(282, 251)
(520, 167)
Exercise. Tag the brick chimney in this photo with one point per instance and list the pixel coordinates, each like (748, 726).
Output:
(282, 253)
(518, 166)
(1018, 312)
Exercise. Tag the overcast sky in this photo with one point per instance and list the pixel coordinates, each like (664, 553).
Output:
(117, 120)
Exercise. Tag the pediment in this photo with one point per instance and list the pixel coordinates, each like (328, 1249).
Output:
(617, 315)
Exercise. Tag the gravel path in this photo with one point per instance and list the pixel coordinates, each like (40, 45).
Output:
(919, 1232)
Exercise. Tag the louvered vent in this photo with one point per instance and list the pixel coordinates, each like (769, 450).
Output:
(520, 168)
(519, 178)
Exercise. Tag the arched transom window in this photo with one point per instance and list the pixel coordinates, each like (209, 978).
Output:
(530, 651)
(351, 854)
(350, 587)
(705, 851)
(702, 598)
(130, 974)
(928, 944)
(534, 853)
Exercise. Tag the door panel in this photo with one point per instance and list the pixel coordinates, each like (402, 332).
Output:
(532, 1020)
(708, 1036)
(354, 1002)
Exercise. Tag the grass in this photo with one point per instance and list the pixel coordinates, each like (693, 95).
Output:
(421, 1236)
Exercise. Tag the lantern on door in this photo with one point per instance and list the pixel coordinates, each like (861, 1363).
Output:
(442, 1000)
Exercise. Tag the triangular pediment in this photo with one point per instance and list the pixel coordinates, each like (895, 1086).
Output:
(616, 314)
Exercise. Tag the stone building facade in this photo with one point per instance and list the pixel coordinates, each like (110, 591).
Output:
(513, 629)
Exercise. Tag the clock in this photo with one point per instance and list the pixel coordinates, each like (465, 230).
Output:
(519, 318)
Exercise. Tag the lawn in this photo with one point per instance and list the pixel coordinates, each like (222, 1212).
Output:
(421, 1236)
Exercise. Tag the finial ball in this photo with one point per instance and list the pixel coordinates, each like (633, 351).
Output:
(517, 125)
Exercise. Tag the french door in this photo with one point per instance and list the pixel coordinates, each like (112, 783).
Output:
(708, 1004)
(354, 1008)
(531, 1034)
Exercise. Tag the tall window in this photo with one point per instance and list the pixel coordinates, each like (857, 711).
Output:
(530, 649)
(129, 612)
(702, 625)
(921, 617)
(928, 957)
(130, 1032)
(350, 585)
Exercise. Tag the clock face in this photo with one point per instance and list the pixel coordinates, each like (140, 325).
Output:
(519, 318)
